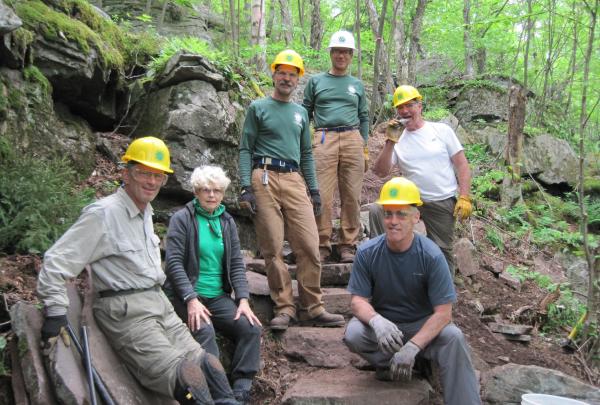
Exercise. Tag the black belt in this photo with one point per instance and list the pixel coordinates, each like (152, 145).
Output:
(115, 293)
(338, 129)
(281, 169)
(277, 165)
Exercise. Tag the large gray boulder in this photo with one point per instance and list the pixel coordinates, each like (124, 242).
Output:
(199, 123)
(487, 103)
(505, 385)
(549, 159)
(9, 21)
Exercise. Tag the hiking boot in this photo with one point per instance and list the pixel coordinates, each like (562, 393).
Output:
(325, 255)
(242, 396)
(325, 319)
(383, 374)
(346, 255)
(280, 322)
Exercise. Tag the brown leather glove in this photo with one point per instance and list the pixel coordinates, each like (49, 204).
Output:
(394, 130)
(463, 207)
(366, 155)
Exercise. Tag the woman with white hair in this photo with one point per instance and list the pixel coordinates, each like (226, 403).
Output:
(204, 265)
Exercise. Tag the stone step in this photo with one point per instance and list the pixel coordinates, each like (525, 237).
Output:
(332, 274)
(319, 347)
(349, 386)
(336, 300)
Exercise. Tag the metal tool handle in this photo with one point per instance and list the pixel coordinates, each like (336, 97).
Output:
(87, 361)
(104, 394)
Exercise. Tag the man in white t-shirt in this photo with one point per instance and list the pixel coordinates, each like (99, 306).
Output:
(430, 155)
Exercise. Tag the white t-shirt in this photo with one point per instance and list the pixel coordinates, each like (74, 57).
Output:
(424, 157)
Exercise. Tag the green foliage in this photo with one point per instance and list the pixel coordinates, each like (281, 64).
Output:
(34, 75)
(483, 84)
(436, 114)
(38, 202)
(495, 238)
(188, 44)
(487, 185)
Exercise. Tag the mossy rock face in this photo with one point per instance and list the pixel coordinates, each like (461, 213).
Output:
(34, 125)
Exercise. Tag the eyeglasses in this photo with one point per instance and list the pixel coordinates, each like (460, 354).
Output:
(407, 105)
(209, 191)
(402, 214)
(145, 175)
(342, 51)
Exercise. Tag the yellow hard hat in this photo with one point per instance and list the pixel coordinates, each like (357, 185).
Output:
(149, 151)
(405, 93)
(399, 191)
(288, 57)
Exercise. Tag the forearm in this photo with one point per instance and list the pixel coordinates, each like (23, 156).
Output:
(383, 163)
(362, 309)
(463, 173)
(431, 329)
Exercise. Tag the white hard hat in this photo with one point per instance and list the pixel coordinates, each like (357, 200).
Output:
(341, 39)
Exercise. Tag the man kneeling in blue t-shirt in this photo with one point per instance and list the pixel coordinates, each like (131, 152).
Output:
(402, 296)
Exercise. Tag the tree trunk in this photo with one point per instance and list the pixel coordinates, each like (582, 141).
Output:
(573, 59)
(591, 328)
(163, 12)
(316, 25)
(399, 42)
(271, 21)
(480, 51)
(301, 18)
(358, 45)
(286, 22)
(377, 61)
(415, 35)
(375, 23)
(234, 28)
(469, 70)
(511, 186)
(528, 29)
(148, 8)
(258, 34)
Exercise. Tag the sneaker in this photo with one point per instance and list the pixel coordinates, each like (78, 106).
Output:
(325, 255)
(280, 322)
(346, 255)
(383, 374)
(325, 319)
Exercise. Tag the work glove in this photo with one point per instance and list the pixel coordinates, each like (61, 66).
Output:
(366, 155)
(315, 199)
(248, 200)
(389, 337)
(55, 326)
(394, 130)
(463, 207)
(402, 362)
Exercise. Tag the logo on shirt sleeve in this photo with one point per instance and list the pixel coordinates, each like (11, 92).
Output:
(298, 119)
(351, 90)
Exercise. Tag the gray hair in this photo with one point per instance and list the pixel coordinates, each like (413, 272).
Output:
(204, 176)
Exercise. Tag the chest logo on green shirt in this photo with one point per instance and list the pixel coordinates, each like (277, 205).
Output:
(351, 90)
(298, 119)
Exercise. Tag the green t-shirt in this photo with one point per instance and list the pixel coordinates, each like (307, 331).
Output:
(210, 252)
(337, 101)
(279, 130)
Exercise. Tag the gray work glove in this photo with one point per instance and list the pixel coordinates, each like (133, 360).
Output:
(315, 199)
(248, 200)
(402, 363)
(389, 337)
(394, 130)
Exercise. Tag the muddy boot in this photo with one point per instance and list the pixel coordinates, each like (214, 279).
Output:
(325, 319)
(325, 255)
(346, 254)
(280, 322)
(191, 387)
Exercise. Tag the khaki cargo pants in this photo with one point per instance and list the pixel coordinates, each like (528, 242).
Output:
(284, 204)
(339, 160)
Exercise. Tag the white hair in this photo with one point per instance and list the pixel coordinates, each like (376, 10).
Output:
(204, 176)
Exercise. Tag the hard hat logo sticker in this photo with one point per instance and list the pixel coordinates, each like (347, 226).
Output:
(289, 58)
(342, 38)
(394, 192)
(159, 156)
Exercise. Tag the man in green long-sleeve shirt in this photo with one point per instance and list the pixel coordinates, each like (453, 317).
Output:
(337, 103)
(275, 146)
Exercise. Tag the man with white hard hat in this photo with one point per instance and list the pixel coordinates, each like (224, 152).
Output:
(337, 103)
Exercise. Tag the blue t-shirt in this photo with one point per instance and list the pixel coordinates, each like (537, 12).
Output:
(403, 287)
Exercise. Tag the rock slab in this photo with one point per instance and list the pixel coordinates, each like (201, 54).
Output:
(349, 386)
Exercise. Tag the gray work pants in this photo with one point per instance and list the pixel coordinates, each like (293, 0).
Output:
(438, 217)
(448, 350)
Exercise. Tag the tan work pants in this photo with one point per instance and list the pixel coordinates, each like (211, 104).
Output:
(284, 203)
(339, 159)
